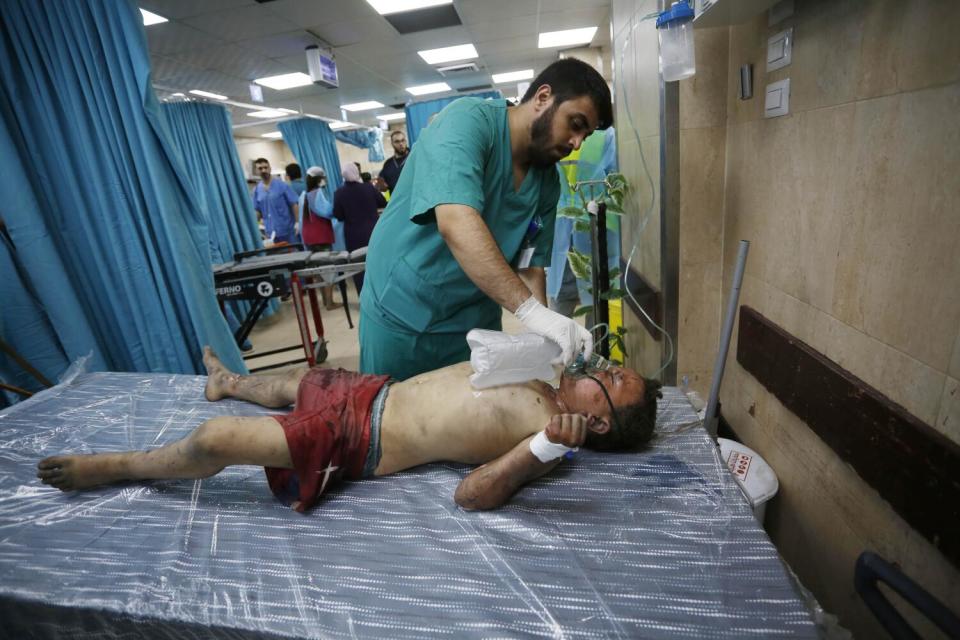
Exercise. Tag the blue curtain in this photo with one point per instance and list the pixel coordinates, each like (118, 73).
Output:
(104, 221)
(23, 326)
(420, 113)
(370, 139)
(313, 144)
(204, 137)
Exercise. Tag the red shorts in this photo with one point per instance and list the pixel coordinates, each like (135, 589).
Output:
(328, 434)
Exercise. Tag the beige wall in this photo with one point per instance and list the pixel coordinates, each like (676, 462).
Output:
(852, 206)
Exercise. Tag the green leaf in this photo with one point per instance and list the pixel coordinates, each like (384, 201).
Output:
(582, 311)
(581, 225)
(579, 264)
(614, 273)
(571, 212)
(613, 207)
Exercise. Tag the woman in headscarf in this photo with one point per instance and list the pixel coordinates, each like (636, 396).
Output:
(357, 204)
(316, 227)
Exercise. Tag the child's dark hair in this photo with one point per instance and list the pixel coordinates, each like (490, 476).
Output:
(634, 424)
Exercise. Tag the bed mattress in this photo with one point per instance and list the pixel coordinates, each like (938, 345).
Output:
(657, 544)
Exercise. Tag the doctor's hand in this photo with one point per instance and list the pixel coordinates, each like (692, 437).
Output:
(570, 336)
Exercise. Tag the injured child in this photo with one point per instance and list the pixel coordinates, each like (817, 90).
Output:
(349, 425)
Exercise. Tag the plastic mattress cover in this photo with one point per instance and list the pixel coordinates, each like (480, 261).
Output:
(657, 544)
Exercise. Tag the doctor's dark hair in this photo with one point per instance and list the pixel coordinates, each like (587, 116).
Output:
(571, 78)
(634, 424)
(293, 171)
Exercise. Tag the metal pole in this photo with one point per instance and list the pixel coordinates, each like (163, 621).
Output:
(601, 305)
(712, 417)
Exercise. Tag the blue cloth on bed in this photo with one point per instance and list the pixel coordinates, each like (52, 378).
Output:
(659, 544)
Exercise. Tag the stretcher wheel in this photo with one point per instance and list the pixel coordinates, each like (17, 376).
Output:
(320, 351)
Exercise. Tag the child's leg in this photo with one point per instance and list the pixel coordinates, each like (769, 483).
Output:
(269, 390)
(215, 444)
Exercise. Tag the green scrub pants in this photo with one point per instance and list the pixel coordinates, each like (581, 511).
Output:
(402, 354)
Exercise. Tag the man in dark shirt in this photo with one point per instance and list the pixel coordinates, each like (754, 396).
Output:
(393, 166)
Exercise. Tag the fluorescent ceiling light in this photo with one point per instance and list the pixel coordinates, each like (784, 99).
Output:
(288, 110)
(207, 94)
(386, 7)
(272, 134)
(285, 81)
(400, 115)
(151, 18)
(424, 89)
(340, 125)
(513, 76)
(566, 38)
(267, 113)
(362, 106)
(449, 54)
(179, 95)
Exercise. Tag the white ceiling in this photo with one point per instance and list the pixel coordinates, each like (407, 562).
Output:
(222, 45)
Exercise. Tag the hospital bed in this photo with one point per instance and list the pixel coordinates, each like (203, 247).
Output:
(261, 274)
(657, 544)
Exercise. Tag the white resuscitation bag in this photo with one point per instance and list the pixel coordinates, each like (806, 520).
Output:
(501, 358)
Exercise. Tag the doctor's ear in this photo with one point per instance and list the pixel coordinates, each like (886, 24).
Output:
(543, 97)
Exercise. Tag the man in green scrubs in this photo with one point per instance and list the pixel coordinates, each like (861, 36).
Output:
(469, 228)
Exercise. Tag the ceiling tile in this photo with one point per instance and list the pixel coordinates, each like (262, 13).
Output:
(172, 38)
(241, 24)
(180, 9)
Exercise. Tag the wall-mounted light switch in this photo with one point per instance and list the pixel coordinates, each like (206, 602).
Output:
(780, 50)
(777, 99)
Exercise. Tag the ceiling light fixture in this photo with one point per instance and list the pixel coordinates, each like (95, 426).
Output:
(267, 113)
(449, 54)
(512, 76)
(150, 18)
(386, 7)
(287, 110)
(207, 94)
(566, 38)
(362, 106)
(337, 124)
(400, 115)
(285, 81)
(424, 89)
(272, 134)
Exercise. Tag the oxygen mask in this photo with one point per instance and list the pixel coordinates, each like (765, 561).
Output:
(581, 367)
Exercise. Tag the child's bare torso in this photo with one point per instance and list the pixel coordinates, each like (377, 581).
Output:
(440, 416)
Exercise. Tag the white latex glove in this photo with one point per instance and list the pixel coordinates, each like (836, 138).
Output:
(296, 228)
(570, 336)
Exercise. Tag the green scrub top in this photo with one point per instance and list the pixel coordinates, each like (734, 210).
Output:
(413, 284)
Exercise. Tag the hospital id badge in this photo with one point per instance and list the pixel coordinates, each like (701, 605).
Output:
(525, 257)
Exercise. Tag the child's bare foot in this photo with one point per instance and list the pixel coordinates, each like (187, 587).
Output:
(220, 380)
(69, 473)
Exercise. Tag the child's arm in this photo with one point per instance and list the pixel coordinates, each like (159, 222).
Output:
(491, 485)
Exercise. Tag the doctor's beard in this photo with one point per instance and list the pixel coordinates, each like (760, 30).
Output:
(542, 152)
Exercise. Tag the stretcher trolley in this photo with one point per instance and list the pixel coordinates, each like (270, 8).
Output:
(260, 275)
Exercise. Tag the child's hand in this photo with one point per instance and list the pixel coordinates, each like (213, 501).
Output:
(568, 429)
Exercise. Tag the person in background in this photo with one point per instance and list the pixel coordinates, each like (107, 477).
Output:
(382, 187)
(317, 225)
(357, 204)
(276, 203)
(393, 166)
(366, 178)
(295, 178)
